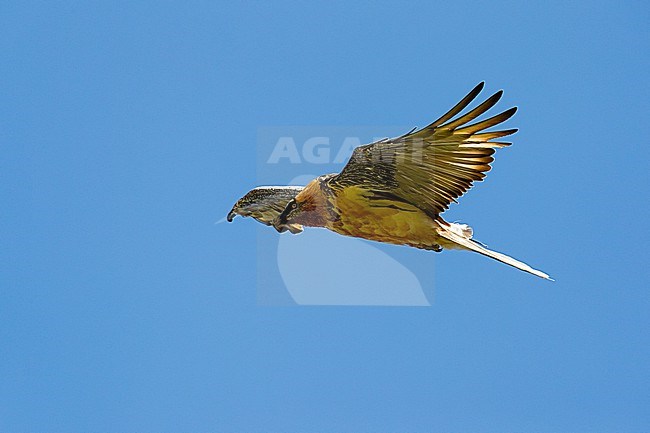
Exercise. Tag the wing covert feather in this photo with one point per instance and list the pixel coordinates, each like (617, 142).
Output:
(431, 167)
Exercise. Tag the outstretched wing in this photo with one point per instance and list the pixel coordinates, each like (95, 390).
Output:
(265, 203)
(431, 167)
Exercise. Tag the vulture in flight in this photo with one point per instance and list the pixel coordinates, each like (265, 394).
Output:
(395, 190)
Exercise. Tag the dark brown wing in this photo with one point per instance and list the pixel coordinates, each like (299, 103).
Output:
(431, 167)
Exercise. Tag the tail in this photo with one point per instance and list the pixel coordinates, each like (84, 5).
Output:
(461, 235)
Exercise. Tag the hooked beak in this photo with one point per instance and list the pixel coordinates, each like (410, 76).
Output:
(231, 215)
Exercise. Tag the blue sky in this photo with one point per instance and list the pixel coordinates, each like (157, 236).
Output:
(127, 129)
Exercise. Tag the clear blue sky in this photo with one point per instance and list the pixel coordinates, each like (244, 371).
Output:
(127, 129)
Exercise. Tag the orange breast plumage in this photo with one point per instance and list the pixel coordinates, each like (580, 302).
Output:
(381, 219)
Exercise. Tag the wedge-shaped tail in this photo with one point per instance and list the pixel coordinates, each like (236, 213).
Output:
(463, 239)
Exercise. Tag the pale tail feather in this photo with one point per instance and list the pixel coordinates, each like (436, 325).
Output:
(458, 234)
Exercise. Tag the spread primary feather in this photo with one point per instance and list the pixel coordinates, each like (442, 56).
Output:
(395, 190)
